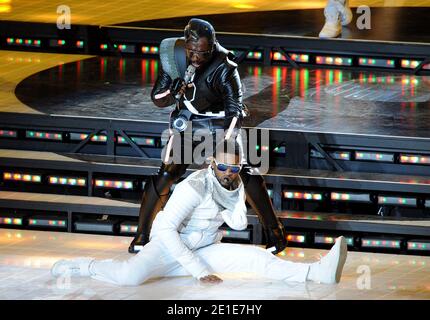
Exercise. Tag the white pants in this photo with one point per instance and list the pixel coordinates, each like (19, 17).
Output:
(153, 261)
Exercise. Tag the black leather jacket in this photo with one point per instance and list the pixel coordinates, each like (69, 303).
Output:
(218, 88)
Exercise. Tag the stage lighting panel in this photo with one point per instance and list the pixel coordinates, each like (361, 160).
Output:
(125, 48)
(255, 55)
(69, 181)
(114, 184)
(374, 156)
(103, 46)
(150, 49)
(418, 245)
(5, 133)
(57, 43)
(296, 237)
(350, 196)
(80, 44)
(303, 195)
(334, 60)
(46, 221)
(101, 138)
(410, 64)
(330, 239)
(414, 159)
(128, 227)
(376, 62)
(11, 219)
(382, 243)
(141, 141)
(340, 155)
(235, 234)
(22, 177)
(94, 225)
(397, 201)
(42, 135)
(278, 56)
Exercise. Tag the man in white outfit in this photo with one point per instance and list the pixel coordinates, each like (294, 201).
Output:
(185, 239)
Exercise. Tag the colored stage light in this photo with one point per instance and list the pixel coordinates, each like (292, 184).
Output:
(126, 48)
(304, 216)
(37, 43)
(280, 150)
(397, 201)
(70, 181)
(414, 159)
(303, 195)
(4, 133)
(141, 141)
(388, 243)
(82, 136)
(298, 238)
(410, 64)
(11, 221)
(427, 66)
(128, 227)
(338, 61)
(40, 221)
(340, 155)
(114, 184)
(150, 49)
(348, 196)
(79, 44)
(329, 239)
(10, 40)
(19, 41)
(299, 57)
(374, 156)
(44, 135)
(234, 234)
(24, 177)
(376, 62)
(419, 245)
(278, 56)
(254, 55)
(263, 148)
(103, 46)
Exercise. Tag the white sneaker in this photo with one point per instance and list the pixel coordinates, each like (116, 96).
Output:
(78, 267)
(329, 269)
(332, 27)
(345, 11)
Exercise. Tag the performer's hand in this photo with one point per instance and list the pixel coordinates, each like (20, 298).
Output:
(211, 279)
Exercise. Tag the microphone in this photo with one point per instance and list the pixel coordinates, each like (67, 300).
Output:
(188, 75)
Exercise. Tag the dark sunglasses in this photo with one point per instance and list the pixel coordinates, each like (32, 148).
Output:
(199, 53)
(224, 167)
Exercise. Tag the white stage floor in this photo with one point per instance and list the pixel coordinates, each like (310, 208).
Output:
(26, 258)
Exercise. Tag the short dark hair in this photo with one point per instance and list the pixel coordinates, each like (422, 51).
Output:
(198, 28)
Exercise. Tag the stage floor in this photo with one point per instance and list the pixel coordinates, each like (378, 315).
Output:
(119, 11)
(27, 256)
(279, 97)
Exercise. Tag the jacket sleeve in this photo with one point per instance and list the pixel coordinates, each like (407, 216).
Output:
(181, 204)
(231, 91)
(160, 94)
(236, 218)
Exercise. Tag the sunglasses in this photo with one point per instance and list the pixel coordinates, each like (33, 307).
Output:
(224, 167)
(199, 53)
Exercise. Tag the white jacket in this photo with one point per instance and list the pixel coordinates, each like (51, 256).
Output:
(191, 218)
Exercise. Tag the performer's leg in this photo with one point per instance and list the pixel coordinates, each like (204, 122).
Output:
(155, 196)
(232, 258)
(258, 198)
(150, 262)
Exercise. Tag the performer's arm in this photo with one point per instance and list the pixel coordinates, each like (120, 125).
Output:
(231, 91)
(236, 217)
(181, 204)
(161, 95)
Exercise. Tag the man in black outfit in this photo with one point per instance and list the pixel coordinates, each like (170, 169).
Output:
(216, 89)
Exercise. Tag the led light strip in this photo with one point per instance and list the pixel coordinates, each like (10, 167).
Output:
(115, 184)
(411, 202)
(71, 181)
(338, 61)
(8, 133)
(299, 238)
(47, 223)
(380, 243)
(414, 159)
(374, 156)
(43, 135)
(303, 195)
(348, 196)
(125, 228)
(11, 221)
(14, 176)
(141, 141)
(150, 49)
(327, 239)
(419, 245)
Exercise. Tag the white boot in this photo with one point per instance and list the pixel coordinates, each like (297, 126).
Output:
(345, 12)
(332, 27)
(79, 267)
(329, 269)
